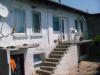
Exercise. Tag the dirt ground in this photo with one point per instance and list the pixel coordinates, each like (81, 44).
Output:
(89, 66)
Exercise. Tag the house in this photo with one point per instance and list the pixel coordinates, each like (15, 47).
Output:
(36, 31)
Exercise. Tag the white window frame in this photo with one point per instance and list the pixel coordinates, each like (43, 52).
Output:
(15, 6)
(38, 33)
(53, 24)
(40, 61)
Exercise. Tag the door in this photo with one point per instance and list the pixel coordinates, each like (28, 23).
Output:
(4, 66)
(64, 28)
(19, 60)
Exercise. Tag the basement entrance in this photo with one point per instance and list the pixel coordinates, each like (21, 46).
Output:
(19, 60)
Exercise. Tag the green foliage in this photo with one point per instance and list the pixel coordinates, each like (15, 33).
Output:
(96, 40)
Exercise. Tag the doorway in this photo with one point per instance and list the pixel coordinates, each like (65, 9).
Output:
(64, 28)
(19, 60)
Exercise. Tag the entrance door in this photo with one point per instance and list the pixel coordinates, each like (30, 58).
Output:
(64, 28)
(19, 59)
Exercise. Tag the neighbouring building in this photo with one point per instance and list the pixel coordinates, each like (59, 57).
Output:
(41, 31)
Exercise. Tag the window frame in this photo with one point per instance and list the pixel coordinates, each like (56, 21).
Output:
(25, 31)
(76, 27)
(39, 13)
(39, 61)
(53, 23)
(81, 25)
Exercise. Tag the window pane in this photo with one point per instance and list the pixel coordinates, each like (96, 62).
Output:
(36, 22)
(37, 57)
(76, 25)
(19, 20)
(81, 25)
(56, 24)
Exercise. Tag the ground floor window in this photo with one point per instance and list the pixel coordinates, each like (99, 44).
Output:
(38, 59)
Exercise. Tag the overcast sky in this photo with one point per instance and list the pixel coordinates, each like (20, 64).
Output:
(93, 6)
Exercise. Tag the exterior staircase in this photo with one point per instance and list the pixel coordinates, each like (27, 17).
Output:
(49, 65)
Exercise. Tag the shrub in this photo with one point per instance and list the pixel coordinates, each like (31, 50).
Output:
(96, 40)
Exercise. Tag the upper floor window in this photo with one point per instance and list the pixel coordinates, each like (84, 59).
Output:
(76, 25)
(56, 24)
(81, 25)
(36, 22)
(19, 16)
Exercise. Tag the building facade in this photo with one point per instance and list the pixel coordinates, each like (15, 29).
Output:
(30, 30)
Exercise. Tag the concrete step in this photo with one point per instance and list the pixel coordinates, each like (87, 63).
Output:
(49, 68)
(62, 46)
(52, 59)
(43, 72)
(55, 55)
(58, 52)
(60, 49)
(48, 63)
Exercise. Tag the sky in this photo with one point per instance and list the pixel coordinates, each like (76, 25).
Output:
(91, 6)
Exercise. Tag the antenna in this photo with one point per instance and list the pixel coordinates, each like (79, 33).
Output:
(3, 11)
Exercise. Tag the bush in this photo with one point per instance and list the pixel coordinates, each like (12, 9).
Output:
(96, 40)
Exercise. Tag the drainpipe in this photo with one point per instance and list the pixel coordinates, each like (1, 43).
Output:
(48, 26)
(85, 27)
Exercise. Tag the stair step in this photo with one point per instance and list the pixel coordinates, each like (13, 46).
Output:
(62, 46)
(60, 49)
(64, 43)
(48, 63)
(55, 56)
(58, 52)
(52, 59)
(51, 62)
(44, 72)
(49, 68)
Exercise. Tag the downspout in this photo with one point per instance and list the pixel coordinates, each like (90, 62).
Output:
(48, 26)
(86, 30)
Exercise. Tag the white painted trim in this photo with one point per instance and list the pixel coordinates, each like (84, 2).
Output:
(18, 35)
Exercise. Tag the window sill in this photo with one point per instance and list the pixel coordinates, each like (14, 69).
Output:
(36, 35)
(38, 62)
(20, 35)
(56, 31)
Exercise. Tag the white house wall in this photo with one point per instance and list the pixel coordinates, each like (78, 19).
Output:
(47, 33)
(45, 38)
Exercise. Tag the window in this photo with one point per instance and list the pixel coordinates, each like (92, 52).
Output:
(38, 59)
(81, 25)
(19, 20)
(56, 26)
(36, 22)
(76, 25)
